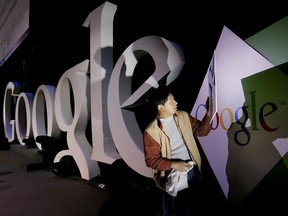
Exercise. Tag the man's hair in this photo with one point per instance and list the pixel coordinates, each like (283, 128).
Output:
(159, 96)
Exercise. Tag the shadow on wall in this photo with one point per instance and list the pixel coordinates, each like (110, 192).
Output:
(257, 174)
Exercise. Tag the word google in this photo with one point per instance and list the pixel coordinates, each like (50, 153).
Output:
(241, 117)
(100, 97)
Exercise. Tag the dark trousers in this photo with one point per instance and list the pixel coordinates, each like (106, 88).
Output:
(188, 201)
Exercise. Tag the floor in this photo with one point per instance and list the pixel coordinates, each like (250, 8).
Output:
(41, 192)
(27, 189)
(29, 186)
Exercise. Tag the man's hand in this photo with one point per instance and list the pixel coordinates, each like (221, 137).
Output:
(180, 166)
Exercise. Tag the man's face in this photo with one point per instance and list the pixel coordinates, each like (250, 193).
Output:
(169, 108)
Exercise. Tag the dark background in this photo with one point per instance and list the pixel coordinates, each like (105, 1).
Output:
(57, 40)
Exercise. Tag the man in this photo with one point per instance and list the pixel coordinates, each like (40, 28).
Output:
(169, 144)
